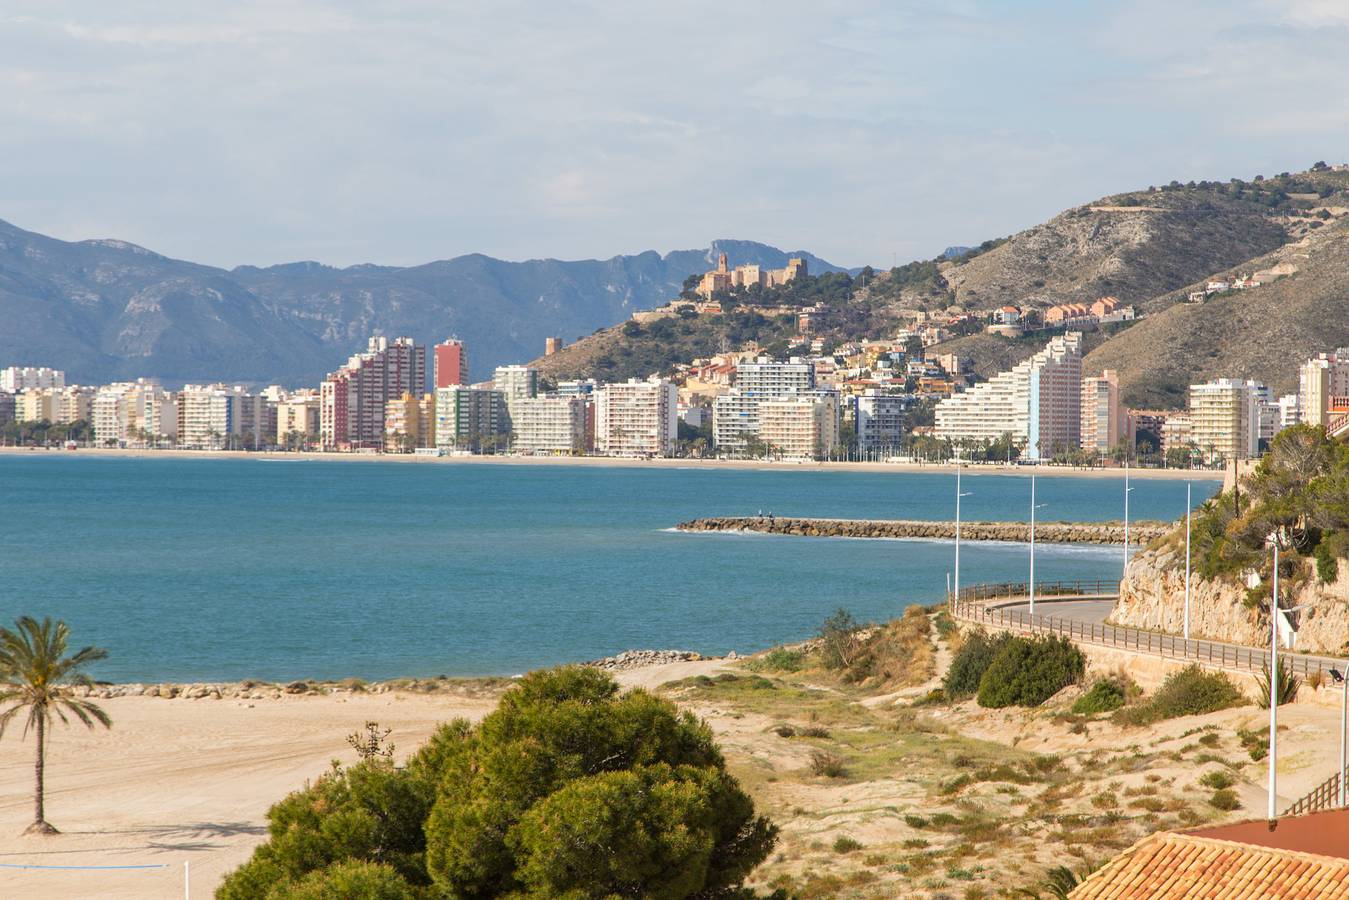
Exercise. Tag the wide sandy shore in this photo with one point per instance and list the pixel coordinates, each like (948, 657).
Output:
(618, 462)
(190, 781)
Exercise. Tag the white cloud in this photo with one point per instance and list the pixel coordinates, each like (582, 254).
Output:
(864, 130)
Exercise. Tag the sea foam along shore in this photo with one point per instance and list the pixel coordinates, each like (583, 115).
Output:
(622, 462)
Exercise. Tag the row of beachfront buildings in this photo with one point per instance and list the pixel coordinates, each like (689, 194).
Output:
(742, 402)
(1048, 407)
(377, 401)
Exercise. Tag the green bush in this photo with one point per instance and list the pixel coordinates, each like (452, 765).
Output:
(970, 662)
(845, 844)
(1225, 799)
(1028, 671)
(1217, 779)
(567, 789)
(1189, 692)
(914, 821)
(1106, 695)
(779, 659)
(1327, 566)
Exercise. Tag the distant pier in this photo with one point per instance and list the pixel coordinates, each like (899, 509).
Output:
(1048, 532)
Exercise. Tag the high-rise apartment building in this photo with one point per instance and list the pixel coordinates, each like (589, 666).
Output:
(352, 399)
(879, 420)
(1038, 402)
(451, 363)
(1104, 421)
(1323, 387)
(735, 414)
(470, 419)
(1225, 418)
(218, 416)
(15, 379)
(550, 425)
(800, 426)
(409, 422)
(297, 417)
(6, 407)
(637, 418)
(516, 382)
(135, 412)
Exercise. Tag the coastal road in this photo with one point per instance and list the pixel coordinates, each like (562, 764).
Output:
(1083, 619)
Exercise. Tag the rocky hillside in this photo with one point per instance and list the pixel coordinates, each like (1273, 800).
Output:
(1263, 333)
(1129, 246)
(107, 309)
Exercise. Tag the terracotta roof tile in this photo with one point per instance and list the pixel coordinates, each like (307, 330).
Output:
(1168, 866)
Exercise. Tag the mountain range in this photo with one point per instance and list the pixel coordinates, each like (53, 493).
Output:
(104, 310)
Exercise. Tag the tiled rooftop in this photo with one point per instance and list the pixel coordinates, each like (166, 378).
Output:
(1168, 866)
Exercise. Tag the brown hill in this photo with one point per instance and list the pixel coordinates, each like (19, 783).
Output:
(1263, 333)
(1132, 246)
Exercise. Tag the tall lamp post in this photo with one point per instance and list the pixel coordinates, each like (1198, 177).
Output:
(1033, 507)
(1127, 490)
(959, 494)
(1189, 510)
(1276, 539)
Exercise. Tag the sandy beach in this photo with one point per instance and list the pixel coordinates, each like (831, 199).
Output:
(614, 461)
(189, 781)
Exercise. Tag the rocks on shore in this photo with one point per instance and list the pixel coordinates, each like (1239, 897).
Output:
(1049, 532)
(640, 659)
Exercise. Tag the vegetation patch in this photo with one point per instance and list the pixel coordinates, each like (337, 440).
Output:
(1106, 695)
(1028, 671)
(1189, 692)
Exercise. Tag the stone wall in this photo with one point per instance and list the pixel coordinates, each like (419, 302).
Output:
(1152, 595)
(1048, 532)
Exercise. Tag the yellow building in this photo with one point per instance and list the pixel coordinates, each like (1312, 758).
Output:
(409, 422)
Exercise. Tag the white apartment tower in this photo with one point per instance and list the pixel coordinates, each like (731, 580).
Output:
(1323, 384)
(637, 418)
(735, 414)
(1225, 418)
(549, 424)
(26, 378)
(1038, 402)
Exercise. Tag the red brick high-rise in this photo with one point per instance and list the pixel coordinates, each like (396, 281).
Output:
(451, 363)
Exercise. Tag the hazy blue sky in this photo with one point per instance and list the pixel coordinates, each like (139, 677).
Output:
(401, 132)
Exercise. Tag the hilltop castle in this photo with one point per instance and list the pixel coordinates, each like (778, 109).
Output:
(722, 279)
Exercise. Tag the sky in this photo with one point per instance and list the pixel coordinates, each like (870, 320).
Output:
(865, 132)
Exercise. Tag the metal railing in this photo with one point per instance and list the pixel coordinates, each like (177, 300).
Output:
(1325, 795)
(985, 604)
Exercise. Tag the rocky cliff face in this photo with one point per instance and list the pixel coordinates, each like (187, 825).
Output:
(1153, 596)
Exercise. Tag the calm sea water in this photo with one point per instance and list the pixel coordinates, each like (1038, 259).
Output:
(208, 569)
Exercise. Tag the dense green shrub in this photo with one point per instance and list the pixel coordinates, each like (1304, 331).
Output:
(1189, 692)
(1286, 685)
(1225, 799)
(1028, 671)
(779, 659)
(567, 789)
(1217, 779)
(970, 662)
(1106, 695)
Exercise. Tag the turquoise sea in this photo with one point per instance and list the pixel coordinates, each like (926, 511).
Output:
(220, 569)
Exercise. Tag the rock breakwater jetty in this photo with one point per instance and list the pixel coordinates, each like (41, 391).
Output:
(1048, 532)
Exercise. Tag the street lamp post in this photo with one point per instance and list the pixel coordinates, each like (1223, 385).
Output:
(1273, 688)
(1033, 508)
(1344, 731)
(1127, 491)
(959, 494)
(1189, 509)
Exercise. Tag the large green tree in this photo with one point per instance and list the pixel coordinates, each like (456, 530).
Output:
(36, 681)
(568, 789)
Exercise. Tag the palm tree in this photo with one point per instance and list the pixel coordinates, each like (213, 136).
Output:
(37, 676)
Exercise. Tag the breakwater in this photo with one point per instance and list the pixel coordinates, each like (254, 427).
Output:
(1048, 532)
